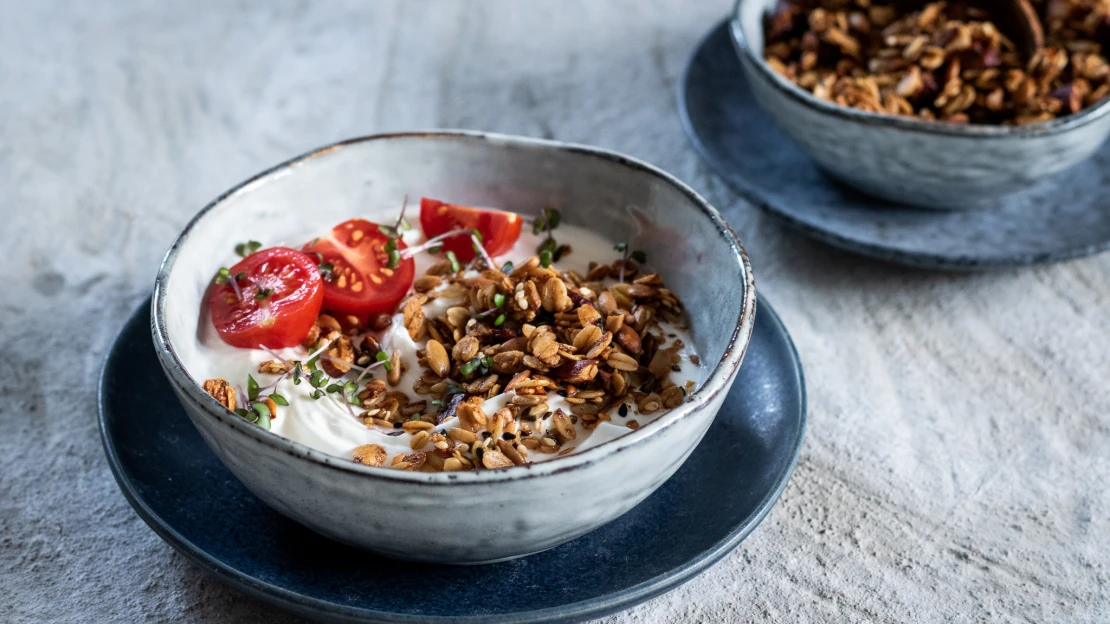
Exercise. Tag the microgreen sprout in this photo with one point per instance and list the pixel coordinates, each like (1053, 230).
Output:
(455, 266)
(327, 270)
(476, 240)
(507, 267)
(263, 293)
(499, 321)
(264, 415)
(223, 276)
(545, 258)
(350, 393)
(499, 300)
(247, 248)
(637, 255)
(433, 243)
(546, 224)
(479, 364)
(252, 388)
(278, 399)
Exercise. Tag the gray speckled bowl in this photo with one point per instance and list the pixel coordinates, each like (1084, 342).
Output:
(908, 160)
(467, 517)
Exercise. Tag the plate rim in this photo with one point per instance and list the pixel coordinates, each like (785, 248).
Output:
(312, 607)
(921, 260)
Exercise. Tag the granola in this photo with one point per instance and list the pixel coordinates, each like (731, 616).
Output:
(483, 365)
(946, 61)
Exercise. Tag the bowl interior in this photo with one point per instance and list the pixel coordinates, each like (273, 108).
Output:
(749, 18)
(685, 239)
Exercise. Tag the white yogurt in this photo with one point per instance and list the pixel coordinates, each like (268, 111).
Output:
(329, 425)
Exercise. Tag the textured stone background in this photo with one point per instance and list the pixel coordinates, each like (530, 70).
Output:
(958, 452)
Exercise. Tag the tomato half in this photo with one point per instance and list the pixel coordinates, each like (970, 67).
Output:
(361, 282)
(499, 229)
(280, 294)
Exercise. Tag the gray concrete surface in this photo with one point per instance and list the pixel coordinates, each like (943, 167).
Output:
(956, 464)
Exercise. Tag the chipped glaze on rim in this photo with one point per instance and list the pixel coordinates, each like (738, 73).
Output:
(715, 383)
(909, 124)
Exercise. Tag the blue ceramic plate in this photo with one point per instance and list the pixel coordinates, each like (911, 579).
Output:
(715, 500)
(1061, 218)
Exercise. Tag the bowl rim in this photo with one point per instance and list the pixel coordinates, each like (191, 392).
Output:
(912, 124)
(716, 382)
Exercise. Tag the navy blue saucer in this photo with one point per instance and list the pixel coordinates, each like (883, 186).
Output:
(1061, 218)
(193, 502)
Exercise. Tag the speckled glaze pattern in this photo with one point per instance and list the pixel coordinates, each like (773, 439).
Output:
(472, 517)
(1059, 218)
(180, 488)
(909, 161)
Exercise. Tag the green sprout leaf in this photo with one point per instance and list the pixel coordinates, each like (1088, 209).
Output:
(620, 247)
(470, 366)
(549, 245)
(247, 248)
(333, 388)
(639, 256)
(394, 259)
(264, 415)
(381, 356)
(435, 249)
(263, 293)
(350, 392)
(455, 266)
(552, 217)
(498, 300)
(545, 258)
(278, 399)
(507, 267)
(500, 321)
(252, 388)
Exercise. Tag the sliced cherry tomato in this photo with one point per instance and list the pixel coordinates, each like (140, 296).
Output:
(499, 229)
(279, 298)
(360, 282)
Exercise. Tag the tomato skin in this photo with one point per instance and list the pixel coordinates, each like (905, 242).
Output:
(361, 282)
(500, 230)
(284, 317)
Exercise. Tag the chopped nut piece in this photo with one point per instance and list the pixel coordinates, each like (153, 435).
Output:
(413, 314)
(509, 451)
(370, 454)
(495, 459)
(562, 428)
(396, 368)
(465, 349)
(426, 283)
(274, 367)
(222, 391)
(471, 417)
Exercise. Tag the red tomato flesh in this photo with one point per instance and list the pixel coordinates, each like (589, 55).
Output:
(277, 319)
(361, 282)
(499, 229)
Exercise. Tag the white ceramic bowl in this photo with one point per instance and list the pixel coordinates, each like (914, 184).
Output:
(908, 160)
(465, 517)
